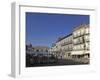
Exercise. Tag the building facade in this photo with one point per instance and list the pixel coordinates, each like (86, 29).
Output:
(36, 50)
(63, 47)
(81, 42)
(74, 45)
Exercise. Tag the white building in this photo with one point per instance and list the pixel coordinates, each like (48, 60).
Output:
(81, 42)
(63, 47)
(75, 45)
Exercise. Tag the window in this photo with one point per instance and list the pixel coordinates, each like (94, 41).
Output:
(75, 41)
(74, 47)
(78, 33)
(46, 50)
(82, 31)
(77, 47)
(75, 34)
(82, 46)
(87, 37)
(37, 50)
(87, 30)
(87, 45)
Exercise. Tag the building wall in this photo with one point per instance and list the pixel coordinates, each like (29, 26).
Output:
(81, 41)
(62, 48)
(35, 50)
(74, 45)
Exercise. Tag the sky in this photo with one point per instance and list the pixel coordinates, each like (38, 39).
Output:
(43, 29)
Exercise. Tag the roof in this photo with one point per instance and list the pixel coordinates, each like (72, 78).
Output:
(81, 26)
(40, 47)
(61, 38)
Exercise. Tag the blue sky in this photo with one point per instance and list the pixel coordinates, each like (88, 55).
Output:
(43, 29)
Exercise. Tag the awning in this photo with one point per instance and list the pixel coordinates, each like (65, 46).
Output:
(79, 52)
